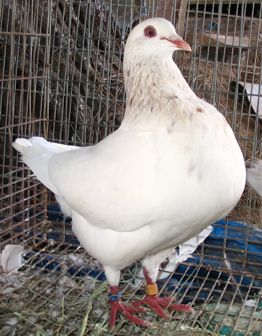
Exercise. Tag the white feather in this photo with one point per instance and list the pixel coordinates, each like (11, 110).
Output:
(254, 176)
(11, 257)
(185, 252)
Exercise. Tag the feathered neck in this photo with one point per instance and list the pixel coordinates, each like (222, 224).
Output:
(155, 90)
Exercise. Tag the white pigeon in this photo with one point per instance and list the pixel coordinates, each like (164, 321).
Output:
(170, 170)
(254, 175)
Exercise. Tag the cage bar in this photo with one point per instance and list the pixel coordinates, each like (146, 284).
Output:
(61, 77)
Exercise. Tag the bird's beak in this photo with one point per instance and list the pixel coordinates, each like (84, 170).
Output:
(178, 42)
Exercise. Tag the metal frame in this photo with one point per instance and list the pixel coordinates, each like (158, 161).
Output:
(61, 78)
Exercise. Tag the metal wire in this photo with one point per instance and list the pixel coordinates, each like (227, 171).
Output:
(61, 77)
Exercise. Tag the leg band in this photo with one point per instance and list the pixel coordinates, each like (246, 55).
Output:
(114, 297)
(152, 289)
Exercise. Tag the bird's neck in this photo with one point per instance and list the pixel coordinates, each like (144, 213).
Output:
(154, 88)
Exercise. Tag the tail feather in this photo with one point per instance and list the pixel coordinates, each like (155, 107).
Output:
(36, 153)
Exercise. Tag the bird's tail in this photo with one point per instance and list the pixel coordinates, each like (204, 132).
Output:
(36, 153)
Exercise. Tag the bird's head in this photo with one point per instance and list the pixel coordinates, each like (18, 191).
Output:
(155, 37)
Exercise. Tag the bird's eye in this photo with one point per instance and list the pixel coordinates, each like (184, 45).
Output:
(150, 31)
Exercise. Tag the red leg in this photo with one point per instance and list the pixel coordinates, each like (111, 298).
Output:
(126, 310)
(156, 303)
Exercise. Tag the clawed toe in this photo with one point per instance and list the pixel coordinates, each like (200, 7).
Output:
(158, 305)
(128, 312)
(153, 305)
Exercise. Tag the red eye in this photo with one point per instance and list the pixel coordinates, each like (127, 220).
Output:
(150, 31)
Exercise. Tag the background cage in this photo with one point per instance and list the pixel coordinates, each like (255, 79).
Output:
(61, 78)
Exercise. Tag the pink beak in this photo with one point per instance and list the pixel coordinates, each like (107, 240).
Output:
(178, 42)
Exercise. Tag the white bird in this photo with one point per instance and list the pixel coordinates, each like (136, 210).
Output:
(170, 170)
(254, 175)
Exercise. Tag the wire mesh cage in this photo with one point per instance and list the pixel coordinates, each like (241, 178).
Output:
(61, 78)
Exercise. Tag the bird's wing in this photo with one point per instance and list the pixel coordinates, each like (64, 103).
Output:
(107, 182)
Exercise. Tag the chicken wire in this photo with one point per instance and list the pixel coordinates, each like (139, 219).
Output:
(61, 78)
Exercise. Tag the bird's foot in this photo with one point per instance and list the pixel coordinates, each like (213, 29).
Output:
(159, 304)
(127, 310)
(156, 303)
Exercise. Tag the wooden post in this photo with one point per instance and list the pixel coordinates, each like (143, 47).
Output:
(164, 9)
(181, 17)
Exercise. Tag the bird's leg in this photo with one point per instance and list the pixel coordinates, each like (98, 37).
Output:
(126, 310)
(157, 303)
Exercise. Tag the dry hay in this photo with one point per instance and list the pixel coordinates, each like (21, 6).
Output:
(50, 303)
(38, 302)
(47, 302)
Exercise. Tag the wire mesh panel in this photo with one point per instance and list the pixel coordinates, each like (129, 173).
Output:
(24, 66)
(61, 77)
